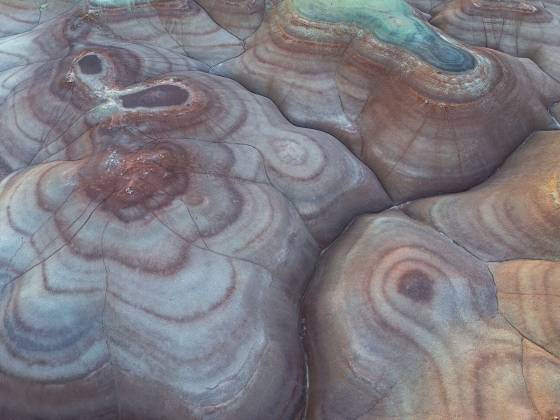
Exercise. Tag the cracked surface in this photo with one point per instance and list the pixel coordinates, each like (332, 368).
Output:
(406, 118)
(457, 320)
(521, 28)
(413, 329)
(160, 225)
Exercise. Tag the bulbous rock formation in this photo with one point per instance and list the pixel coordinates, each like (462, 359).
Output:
(521, 28)
(403, 323)
(45, 97)
(158, 276)
(157, 228)
(408, 316)
(177, 331)
(159, 224)
(416, 106)
(513, 215)
(90, 99)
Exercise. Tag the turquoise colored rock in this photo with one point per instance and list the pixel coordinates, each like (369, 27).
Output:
(394, 22)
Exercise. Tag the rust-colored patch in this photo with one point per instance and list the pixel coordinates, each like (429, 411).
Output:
(133, 183)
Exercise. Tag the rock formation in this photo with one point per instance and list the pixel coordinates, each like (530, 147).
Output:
(521, 28)
(416, 106)
(406, 320)
(512, 215)
(377, 236)
(403, 323)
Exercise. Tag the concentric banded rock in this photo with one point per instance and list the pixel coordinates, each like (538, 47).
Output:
(157, 228)
(417, 107)
(18, 16)
(240, 17)
(520, 28)
(165, 272)
(513, 215)
(402, 323)
(529, 297)
(179, 25)
(158, 224)
(87, 100)
(45, 95)
(176, 289)
(405, 319)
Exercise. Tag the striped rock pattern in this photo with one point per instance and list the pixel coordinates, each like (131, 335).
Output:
(89, 99)
(159, 224)
(452, 315)
(402, 323)
(529, 296)
(18, 16)
(46, 96)
(169, 270)
(240, 17)
(422, 118)
(513, 215)
(181, 26)
(431, 7)
(129, 266)
(521, 28)
(157, 228)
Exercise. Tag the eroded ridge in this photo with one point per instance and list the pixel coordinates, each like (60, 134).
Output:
(514, 214)
(521, 28)
(362, 72)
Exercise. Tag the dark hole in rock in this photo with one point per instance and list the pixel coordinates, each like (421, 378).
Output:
(162, 95)
(90, 64)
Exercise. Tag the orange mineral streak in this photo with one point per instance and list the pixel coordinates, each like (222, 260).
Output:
(552, 189)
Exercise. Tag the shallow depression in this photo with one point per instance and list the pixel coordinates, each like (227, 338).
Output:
(156, 96)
